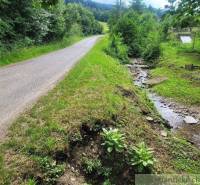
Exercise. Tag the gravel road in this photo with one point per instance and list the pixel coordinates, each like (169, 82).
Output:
(23, 83)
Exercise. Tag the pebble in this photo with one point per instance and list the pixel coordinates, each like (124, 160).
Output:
(190, 120)
(73, 179)
(149, 118)
(163, 133)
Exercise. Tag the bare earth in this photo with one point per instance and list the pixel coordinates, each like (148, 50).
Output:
(23, 83)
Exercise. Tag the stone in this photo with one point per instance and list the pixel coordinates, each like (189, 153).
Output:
(156, 81)
(129, 66)
(148, 118)
(73, 179)
(164, 133)
(190, 120)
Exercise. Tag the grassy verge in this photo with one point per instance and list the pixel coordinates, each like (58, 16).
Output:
(182, 85)
(35, 51)
(105, 27)
(66, 125)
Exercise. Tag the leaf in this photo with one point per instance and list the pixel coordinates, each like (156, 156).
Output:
(110, 149)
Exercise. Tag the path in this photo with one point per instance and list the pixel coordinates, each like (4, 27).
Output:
(23, 83)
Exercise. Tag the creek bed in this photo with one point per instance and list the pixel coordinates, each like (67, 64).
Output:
(171, 112)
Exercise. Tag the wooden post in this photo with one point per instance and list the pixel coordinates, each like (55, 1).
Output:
(194, 41)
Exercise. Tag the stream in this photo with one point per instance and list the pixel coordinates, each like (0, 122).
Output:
(176, 116)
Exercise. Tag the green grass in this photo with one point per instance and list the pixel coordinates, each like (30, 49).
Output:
(182, 85)
(105, 27)
(98, 88)
(22, 54)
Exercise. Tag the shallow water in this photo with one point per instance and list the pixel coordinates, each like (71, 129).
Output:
(170, 112)
(175, 120)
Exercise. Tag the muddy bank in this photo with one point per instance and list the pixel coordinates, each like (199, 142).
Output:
(181, 119)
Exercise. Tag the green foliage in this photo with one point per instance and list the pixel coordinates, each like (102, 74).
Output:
(189, 7)
(91, 165)
(31, 22)
(50, 169)
(95, 167)
(4, 173)
(113, 140)
(140, 32)
(142, 157)
(76, 14)
(20, 54)
(107, 182)
(31, 182)
(138, 5)
(101, 11)
(181, 83)
(117, 49)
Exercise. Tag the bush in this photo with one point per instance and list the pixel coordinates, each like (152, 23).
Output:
(151, 50)
(95, 167)
(140, 33)
(31, 182)
(91, 166)
(142, 158)
(117, 49)
(75, 30)
(51, 170)
(113, 140)
(76, 14)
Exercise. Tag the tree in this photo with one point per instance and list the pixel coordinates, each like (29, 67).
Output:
(189, 7)
(138, 5)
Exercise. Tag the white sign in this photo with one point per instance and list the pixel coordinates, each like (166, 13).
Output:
(186, 39)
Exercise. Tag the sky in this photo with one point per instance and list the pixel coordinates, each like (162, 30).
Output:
(154, 3)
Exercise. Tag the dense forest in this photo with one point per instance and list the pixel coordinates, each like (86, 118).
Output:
(101, 11)
(25, 23)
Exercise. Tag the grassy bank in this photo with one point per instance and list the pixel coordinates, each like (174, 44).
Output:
(35, 51)
(65, 129)
(105, 27)
(182, 85)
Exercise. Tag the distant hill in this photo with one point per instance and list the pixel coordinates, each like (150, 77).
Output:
(101, 11)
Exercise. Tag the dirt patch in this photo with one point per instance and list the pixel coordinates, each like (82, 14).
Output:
(71, 178)
(89, 159)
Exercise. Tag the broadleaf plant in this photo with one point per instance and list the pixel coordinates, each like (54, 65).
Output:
(142, 157)
(113, 140)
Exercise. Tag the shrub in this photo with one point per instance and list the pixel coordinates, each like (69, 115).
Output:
(107, 182)
(76, 14)
(95, 167)
(91, 166)
(51, 170)
(113, 140)
(142, 157)
(140, 33)
(31, 182)
(117, 49)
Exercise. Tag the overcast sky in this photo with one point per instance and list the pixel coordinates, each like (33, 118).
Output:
(155, 3)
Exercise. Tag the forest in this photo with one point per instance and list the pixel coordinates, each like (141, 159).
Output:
(26, 23)
(129, 108)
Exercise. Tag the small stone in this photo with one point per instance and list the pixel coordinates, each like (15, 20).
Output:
(73, 179)
(129, 66)
(190, 120)
(73, 170)
(163, 133)
(148, 118)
